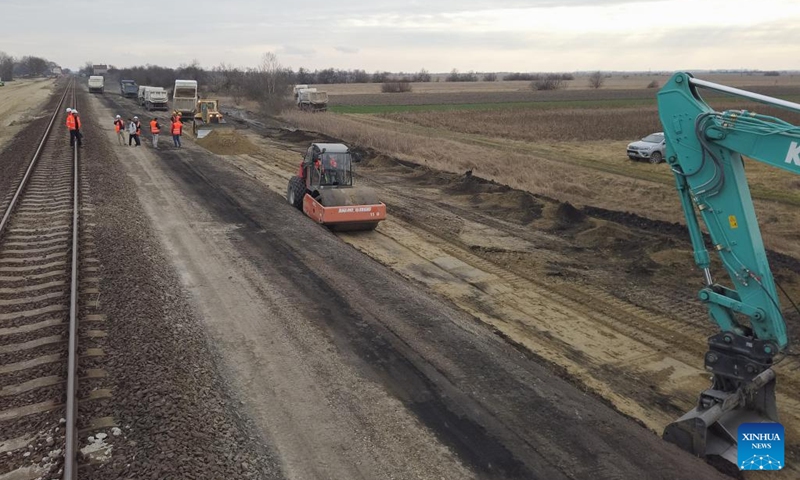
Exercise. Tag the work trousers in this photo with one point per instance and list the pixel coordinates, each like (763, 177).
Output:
(177, 140)
(133, 137)
(155, 140)
(73, 136)
(121, 137)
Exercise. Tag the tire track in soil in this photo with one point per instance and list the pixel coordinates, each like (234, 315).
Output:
(646, 363)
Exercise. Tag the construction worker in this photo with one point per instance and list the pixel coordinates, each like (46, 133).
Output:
(134, 130)
(74, 127)
(177, 131)
(119, 127)
(155, 129)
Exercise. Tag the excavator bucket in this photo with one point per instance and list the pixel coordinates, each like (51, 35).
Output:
(346, 209)
(711, 428)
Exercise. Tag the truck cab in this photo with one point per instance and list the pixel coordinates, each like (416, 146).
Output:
(128, 88)
(96, 84)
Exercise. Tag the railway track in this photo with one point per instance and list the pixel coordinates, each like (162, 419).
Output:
(39, 243)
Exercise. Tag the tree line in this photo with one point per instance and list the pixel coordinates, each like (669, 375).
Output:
(27, 66)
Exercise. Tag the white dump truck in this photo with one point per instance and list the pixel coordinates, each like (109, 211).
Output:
(184, 97)
(297, 89)
(310, 99)
(140, 94)
(96, 84)
(155, 98)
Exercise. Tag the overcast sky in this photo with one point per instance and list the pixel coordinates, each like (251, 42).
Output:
(397, 35)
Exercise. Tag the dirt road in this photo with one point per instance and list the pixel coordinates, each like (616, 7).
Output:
(350, 370)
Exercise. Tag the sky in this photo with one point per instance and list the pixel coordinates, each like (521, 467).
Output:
(395, 36)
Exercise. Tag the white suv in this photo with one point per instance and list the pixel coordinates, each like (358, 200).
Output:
(650, 148)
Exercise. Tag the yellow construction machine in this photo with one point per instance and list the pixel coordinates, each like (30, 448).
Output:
(208, 118)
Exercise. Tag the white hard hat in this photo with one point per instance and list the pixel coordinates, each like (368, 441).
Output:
(74, 111)
(69, 109)
(117, 116)
(136, 118)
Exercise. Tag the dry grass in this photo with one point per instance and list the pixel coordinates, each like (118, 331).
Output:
(538, 125)
(616, 81)
(563, 124)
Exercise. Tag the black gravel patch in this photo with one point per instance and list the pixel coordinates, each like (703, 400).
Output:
(176, 417)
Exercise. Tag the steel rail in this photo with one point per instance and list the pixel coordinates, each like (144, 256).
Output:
(34, 161)
(71, 433)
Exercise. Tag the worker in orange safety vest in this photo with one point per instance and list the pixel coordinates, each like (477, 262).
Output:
(119, 127)
(155, 129)
(177, 131)
(74, 127)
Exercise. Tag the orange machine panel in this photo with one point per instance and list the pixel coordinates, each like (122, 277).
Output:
(343, 214)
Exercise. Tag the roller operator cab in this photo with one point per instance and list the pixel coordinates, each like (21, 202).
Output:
(324, 190)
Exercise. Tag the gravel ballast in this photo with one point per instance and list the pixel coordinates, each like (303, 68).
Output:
(170, 402)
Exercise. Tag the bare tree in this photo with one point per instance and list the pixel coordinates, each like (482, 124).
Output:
(273, 83)
(596, 80)
(6, 66)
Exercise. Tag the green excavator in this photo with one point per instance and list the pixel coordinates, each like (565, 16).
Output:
(704, 149)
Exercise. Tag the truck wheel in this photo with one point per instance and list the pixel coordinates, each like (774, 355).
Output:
(656, 158)
(295, 192)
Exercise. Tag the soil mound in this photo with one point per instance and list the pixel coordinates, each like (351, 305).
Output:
(227, 142)
(514, 206)
(567, 215)
(470, 184)
(379, 161)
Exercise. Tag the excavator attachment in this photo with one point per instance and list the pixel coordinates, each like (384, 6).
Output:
(711, 428)
(346, 209)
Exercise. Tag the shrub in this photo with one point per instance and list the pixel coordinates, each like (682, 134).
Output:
(551, 81)
(396, 87)
(653, 84)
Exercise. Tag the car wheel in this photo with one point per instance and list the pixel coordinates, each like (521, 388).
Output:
(656, 157)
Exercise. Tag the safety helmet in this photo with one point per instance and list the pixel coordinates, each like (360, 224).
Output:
(69, 110)
(117, 116)
(136, 118)
(74, 112)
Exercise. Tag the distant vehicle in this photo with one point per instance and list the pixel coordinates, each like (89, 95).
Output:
(184, 97)
(96, 84)
(155, 98)
(650, 148)
(297, 89)
(140, 94)
(99, 69)
(309, 99)
(128, 88)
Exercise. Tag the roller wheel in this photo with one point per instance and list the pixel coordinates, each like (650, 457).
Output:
(295, 192)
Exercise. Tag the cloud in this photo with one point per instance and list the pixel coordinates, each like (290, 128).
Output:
(348, 50)
(481, 35)
(291, 50)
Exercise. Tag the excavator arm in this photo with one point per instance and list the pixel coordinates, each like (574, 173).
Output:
(704, 150)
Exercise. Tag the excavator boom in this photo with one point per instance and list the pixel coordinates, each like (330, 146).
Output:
(704, 149)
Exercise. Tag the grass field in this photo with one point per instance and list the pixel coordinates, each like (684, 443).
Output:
(568, 145)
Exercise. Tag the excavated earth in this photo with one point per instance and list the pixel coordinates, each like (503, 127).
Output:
(479, 332)
(411, 355)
